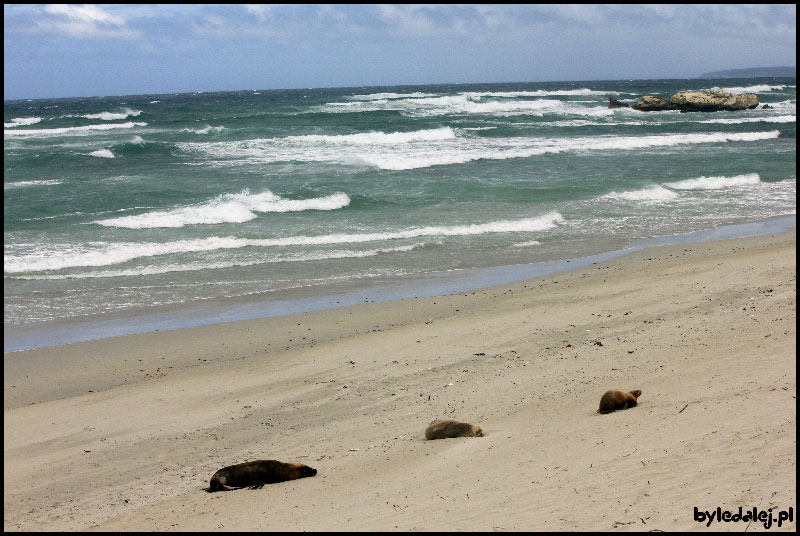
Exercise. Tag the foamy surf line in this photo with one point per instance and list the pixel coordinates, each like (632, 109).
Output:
(22, 121)
(69, 130)
(157, 270)
(666, 192)
(22, 184)
(715, 183)
(554, 146)
(227, 208)
(110, 254)
(294, 301)
(436, 147)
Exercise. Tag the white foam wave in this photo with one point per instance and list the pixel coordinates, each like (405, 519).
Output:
(381, 138)
(22, 121)
(498, 104)
(137, 140)
(21, 184)
(163, 269)
(112, 116)
(652, 194)
(529, 243)
(70, 130)
(102, 153)
(759, 88)
(204, 130)
(227, 208)
(524, 148)
(472, 103)
(448, 150)
(104, 254)
(765, 119)
(543, 93)
(387, 96)
(715, 183)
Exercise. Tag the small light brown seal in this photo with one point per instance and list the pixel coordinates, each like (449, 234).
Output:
(257, 473)
(444, 429)
(614, 400)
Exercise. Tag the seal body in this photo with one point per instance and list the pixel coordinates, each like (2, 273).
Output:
(444, 429)
(257, 473)
(614, 400)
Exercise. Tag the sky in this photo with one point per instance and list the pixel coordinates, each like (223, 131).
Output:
(74, 50)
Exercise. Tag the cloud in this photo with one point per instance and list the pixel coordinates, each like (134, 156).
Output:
(81, 21)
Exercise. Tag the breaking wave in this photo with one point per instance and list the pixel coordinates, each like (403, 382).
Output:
(105, 254)
(226, 208)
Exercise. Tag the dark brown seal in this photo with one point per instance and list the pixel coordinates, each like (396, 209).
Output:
(257, 473)
(445, 429)
(614, 400)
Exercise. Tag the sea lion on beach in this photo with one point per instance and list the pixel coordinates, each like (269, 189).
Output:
(257, 473)
(444, 429)
(614, 400)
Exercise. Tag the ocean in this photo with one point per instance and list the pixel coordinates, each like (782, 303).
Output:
(211, 206)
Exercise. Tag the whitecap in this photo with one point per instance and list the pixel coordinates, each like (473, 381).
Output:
(381, 138)
(102, 153)
(387, 96)
(70, 130)
(54, 257)
(764, 119)
(227, 208)
(202, 265)
(22, 121)
(652, 194)
(759, 88)
(204, 130)
(112, 116)
(715, 183)
(21, 184)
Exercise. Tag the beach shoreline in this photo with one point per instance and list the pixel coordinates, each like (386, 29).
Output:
(301, 300)
(124, 433)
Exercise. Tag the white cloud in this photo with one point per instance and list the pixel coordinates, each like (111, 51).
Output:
(82, 21)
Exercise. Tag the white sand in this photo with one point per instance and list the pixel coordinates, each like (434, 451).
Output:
(706, 331)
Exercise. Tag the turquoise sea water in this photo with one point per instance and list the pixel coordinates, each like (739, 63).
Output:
(115, 205)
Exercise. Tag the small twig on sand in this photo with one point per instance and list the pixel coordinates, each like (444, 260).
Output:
(684, 407)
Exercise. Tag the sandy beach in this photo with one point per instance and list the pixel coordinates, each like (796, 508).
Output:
(123, 434)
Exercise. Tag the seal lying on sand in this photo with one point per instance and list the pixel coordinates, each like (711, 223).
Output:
(444, 429)
(614, 400)
(257, 473)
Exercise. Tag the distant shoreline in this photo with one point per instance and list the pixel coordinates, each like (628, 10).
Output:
(753, 72)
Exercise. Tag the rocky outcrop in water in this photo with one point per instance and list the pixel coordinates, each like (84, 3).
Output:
(698, 101)
(651, 103)
(614, 103)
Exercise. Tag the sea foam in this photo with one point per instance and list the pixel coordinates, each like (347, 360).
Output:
(22, 184)
(113, 116)
(204, 265)
(227, 208)
(765, 119)
(380, 138)
(57, 257)
(69, 130)
(715, 183)
(651, 194)
(443, 147)
(22, 121)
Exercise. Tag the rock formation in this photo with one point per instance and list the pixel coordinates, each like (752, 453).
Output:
(651, 103)
(614, 103)
(712, 101)
(698, 101)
